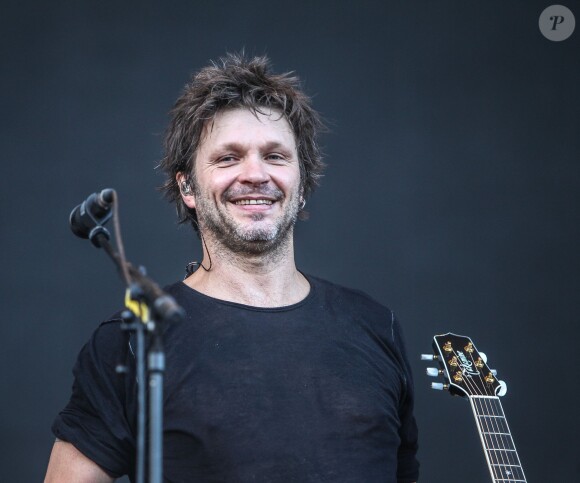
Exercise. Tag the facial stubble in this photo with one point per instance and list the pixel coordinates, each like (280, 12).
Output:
(272, 240)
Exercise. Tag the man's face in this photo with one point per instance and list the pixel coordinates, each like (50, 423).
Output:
(247, 181)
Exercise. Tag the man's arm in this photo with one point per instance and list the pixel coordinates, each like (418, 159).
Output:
(68, 465)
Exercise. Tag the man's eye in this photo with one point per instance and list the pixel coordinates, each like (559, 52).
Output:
(229, 159)
(275, 157)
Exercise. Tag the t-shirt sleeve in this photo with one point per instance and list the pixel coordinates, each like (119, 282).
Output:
(408, 465)
(98, 420)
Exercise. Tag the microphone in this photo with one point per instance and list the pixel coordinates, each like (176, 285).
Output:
(86, 219)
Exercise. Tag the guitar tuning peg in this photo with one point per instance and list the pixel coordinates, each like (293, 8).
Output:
(433, 372)
(502, 388)
(494, 371)
(428, 357)
(439, 386)
(483, 357)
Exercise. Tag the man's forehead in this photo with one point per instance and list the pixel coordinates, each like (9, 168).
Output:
(227, 125)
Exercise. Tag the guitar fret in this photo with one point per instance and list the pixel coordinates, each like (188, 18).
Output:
(491, 432)
(516, 474)
(497, 425)
(502, 458)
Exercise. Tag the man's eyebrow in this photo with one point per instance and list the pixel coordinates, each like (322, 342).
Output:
(237, 147)
(231, 146)
(276, 145)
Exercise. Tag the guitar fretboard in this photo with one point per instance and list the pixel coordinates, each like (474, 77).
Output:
(500, 451)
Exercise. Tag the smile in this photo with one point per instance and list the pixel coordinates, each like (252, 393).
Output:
(253, 202)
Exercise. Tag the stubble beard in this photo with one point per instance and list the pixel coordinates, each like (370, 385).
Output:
(271, 240)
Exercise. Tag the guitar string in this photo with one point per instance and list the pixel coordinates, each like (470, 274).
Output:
(502, 428)
(516, 460)
(490, 407)
(490, 427)
(497, 447)
(514, 466)
(491, 456)
(473, 387)
(482, 427)
(505, 437)
(500, 451)
(482, 411)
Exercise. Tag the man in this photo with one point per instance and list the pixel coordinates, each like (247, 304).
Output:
(274, 376)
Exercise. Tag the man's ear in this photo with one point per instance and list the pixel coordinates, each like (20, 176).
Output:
(186, 190)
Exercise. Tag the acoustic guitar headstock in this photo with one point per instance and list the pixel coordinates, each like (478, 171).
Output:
(463, 367)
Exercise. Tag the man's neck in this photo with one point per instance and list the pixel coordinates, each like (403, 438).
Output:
(265, 280)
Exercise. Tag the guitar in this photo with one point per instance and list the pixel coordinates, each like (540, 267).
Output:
(466, 374)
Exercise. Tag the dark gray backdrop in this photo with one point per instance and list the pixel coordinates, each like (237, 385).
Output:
(451, 193)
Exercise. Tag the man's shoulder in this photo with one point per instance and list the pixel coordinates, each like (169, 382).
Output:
(356, 305)
(346, 295)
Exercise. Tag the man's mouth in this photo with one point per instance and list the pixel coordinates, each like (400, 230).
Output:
(253, 202)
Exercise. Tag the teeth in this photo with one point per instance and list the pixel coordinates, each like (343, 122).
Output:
(253, 202)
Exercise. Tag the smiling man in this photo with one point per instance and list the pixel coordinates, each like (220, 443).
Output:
(274, 376)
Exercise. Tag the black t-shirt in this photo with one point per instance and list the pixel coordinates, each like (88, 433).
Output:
(318, 391)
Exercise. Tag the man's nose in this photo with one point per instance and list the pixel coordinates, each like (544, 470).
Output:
(254, 170)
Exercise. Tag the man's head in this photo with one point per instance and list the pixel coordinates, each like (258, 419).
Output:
(237, 83)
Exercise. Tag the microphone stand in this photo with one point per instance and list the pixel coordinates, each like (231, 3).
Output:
(147, 297)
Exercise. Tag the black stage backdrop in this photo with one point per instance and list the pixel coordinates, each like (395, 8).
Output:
(451, 195)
